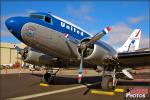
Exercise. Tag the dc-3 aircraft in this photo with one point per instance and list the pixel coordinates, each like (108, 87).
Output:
(53, 41)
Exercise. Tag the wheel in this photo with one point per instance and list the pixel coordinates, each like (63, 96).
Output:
(51, 79)
(107, 83)
(48, 78)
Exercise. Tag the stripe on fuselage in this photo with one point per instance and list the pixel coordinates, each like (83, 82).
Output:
(56, 26)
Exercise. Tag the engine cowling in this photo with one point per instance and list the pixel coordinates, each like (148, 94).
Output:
(35, 57)
(95, 53)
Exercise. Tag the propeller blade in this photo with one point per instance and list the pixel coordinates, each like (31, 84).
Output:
(81, 68)
(99, 35)
(17, 48)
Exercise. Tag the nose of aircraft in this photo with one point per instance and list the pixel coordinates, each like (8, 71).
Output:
(14, 25)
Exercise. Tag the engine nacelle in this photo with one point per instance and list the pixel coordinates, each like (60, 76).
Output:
(35, 57)
(96, 53)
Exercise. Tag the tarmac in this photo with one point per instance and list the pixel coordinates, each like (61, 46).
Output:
(27, 85)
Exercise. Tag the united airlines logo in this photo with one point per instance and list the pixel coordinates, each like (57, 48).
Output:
(71, 28)
(30, 31)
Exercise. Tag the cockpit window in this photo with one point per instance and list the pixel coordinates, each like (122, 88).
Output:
(47, 19)
(37, 16)
(44, 18)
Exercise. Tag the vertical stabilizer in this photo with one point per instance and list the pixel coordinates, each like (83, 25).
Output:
(132, 42)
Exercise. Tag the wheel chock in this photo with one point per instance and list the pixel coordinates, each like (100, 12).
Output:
(102, 92)
(43, 84)
(119, 90)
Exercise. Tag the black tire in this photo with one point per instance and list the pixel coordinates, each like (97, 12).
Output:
(107, 83)
(49, 78)
(46, 76)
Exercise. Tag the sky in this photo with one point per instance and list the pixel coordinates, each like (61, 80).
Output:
(122, 16)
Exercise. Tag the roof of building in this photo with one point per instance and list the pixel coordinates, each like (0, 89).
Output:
(11, 45)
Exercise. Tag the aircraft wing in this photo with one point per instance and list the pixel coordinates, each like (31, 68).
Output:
(135, 58)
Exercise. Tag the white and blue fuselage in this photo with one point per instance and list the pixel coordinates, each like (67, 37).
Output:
(55, 36)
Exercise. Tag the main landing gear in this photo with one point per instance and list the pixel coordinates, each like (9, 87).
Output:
(112, 72)
(50, 75)
(109, 80)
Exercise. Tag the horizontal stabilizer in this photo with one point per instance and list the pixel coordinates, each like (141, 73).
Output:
(127, 73)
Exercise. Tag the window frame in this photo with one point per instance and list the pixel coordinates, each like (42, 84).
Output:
(42, 16)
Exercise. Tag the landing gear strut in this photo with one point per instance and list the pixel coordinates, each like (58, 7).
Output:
(109, 80)
(50, 75)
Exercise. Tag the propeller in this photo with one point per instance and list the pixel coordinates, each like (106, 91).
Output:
(84, 45)
(22, 52)
(81, 68)
(99, 35)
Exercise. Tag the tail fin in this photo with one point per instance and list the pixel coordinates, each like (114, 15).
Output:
(132, 43)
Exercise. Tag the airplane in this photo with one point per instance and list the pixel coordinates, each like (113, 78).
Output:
(132, 43)
(53, 41)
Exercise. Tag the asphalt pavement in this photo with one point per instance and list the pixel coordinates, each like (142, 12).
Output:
(27, 86)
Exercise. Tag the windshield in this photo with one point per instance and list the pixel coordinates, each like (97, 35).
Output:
(37, 16)
(43, 17)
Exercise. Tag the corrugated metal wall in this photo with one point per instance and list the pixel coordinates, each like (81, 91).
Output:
(8, 54)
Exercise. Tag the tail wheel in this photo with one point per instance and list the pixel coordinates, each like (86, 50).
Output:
(107, 83)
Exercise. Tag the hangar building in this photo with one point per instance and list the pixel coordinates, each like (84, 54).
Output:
(8, 54)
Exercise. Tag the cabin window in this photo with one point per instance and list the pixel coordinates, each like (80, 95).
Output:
(47, 19)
